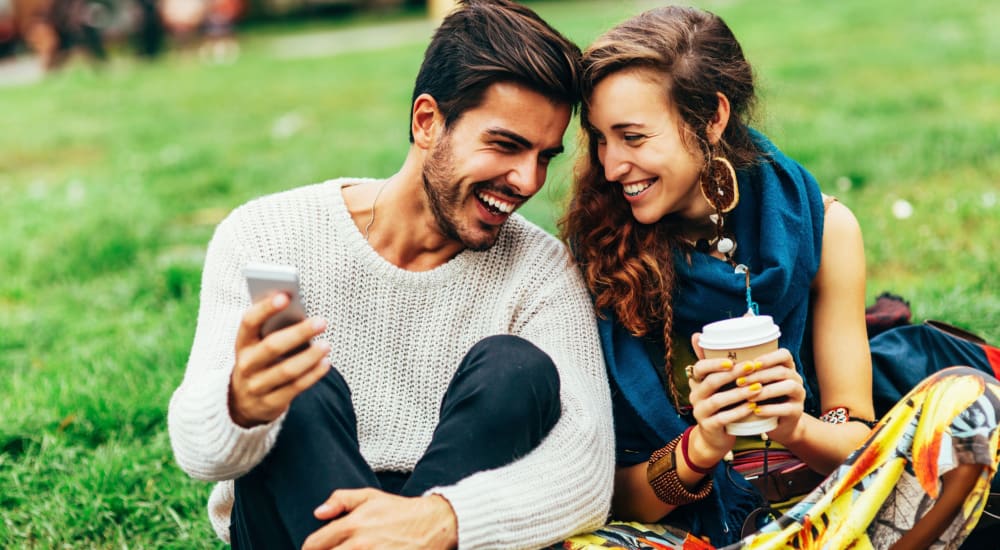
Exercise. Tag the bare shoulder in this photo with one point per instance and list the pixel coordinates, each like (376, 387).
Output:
(843, 246)
(840, 221)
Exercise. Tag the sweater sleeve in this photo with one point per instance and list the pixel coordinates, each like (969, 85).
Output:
(564, 486)
(207, 444)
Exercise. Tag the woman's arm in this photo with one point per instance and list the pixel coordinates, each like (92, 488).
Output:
(840, 346)
(634, 499)
(708, 443)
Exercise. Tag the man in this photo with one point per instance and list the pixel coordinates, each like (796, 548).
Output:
(453, 393)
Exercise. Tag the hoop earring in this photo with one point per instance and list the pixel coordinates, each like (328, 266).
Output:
(719, 186)
(720, 189)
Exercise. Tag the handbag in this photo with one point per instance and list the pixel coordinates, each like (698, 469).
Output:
(778, 475)
(786, 477)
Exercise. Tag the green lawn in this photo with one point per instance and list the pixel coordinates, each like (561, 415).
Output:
(111, 183)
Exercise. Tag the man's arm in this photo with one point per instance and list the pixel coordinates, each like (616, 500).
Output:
(564, 485)
(207, 443)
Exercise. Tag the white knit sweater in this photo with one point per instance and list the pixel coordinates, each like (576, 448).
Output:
(397, 338)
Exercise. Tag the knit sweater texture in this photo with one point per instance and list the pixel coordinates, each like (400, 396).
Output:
(397, 338)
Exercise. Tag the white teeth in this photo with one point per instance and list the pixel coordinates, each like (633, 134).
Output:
(505, 207)
(634, 189)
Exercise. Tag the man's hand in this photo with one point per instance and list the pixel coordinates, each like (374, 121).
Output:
(369, 518)
(265, 378)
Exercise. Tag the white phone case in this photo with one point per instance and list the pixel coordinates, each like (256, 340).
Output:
(263, 280)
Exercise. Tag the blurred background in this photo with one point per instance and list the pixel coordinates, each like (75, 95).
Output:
(129, 128)
(53, 30)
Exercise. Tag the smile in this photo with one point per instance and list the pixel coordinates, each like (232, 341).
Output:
(633, 189)
(495, 204)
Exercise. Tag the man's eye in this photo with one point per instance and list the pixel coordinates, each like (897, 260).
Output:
(506, 145)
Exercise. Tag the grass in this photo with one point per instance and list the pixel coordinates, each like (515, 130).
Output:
(111, 182)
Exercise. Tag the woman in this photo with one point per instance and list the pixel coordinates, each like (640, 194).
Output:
(683, 215)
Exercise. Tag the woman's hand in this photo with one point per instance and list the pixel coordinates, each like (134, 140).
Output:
(770, 376)
(780, 382)
(714, 408)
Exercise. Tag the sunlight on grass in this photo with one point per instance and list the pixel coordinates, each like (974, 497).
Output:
(111, 183)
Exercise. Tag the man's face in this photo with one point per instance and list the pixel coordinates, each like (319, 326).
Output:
(491, 160)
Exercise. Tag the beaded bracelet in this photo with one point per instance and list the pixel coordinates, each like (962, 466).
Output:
(840, 415)
(661, 472)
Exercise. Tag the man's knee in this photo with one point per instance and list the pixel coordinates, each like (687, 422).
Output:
(515, 376)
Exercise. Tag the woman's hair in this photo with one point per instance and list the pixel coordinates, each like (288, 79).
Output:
(627, 265)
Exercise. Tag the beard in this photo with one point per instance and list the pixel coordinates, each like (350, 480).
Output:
(446, 196)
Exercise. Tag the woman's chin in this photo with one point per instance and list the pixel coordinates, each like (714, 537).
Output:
(646, 216)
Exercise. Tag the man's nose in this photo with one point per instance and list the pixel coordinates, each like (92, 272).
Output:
(527, 177)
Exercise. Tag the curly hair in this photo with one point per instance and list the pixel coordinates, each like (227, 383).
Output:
(629, 266)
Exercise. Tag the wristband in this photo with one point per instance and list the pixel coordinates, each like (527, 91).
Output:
(840, 415)
(687, 458)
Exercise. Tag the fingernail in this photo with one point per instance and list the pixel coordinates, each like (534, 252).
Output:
(756, 386)
(741, 381)
(279, 299)
(321, 509)
(748, 367)
(319, 324)
(752, 407)
(758, 365)
(727, 364)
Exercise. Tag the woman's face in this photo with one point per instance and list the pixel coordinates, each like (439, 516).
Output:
(641, 148)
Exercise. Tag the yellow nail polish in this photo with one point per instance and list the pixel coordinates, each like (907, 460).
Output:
(752, 407)
(741, 381)
(758, 365)
(727, 364)
(756, 386)
(748, 367)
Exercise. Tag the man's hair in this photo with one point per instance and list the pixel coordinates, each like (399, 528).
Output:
(488, 41)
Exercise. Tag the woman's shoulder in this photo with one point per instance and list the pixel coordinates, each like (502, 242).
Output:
(843, 254)
(838, 220)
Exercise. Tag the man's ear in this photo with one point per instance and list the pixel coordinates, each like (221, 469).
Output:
(719, 121)
(426, 121)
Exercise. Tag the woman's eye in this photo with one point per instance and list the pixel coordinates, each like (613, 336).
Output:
(632, 138)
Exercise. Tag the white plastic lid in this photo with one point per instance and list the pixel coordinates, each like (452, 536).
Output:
(755, 426)
(739, 332)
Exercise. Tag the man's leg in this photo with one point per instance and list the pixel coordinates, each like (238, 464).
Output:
(316, 452)
(503, 400)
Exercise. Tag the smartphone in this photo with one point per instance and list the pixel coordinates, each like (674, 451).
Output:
(264, 280)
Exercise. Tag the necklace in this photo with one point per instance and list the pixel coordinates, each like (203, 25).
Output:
(726, 246)
(371, 219)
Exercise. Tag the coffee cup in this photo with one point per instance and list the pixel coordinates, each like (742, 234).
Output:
(742, 339)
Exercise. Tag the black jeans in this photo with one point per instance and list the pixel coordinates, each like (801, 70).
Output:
(501, 403)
